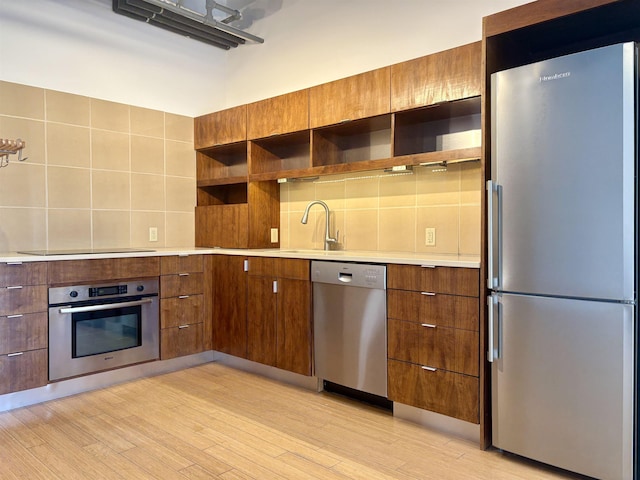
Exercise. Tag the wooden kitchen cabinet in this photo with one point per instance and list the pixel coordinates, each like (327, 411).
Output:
(279, 313)
(182, 306)
(441, 77)
(278, 115)
(23, 326)
(350, 98)
(219, 128)
(229, 304)
(103, 269)
(433, 339)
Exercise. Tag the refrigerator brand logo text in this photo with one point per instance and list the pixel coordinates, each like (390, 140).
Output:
(555, 76)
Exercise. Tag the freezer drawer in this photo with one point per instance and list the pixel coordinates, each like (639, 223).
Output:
(562, 383)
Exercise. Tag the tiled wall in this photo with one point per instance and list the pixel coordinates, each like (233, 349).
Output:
(378, 211)
(98, 173)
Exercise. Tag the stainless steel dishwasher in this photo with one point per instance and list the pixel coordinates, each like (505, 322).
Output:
(350, 325)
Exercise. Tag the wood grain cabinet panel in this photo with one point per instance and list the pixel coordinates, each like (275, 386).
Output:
(229, 305)
(449, 280)
(278, 115)
(181, 264)
(279, 313)
(23, 370)
(178, 284)
(99, 270)
(442, 310)
(19, 333)
(444, 76)
(351, 98)
(23, 299)
(448, 393)
(182, 310)
(19, 273)
(444, 348)
(225, 126)
(181, 341)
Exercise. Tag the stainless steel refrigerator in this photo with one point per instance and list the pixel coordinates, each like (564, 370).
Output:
(562, 240)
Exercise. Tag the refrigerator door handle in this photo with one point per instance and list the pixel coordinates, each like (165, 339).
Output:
(493, 342)
(493, 192)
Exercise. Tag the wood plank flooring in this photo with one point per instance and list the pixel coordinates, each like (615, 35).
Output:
(215, 422)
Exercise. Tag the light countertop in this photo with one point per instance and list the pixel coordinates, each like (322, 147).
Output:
(435, 260)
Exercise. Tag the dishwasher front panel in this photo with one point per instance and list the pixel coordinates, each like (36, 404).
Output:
(350, 336)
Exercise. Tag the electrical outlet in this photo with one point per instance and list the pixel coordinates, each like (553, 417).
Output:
(430, 237)
(274, 235)
(153, 234)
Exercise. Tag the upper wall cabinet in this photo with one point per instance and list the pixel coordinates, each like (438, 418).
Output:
(275, 116)
(351, 98)
(226, 126)
(450, 75)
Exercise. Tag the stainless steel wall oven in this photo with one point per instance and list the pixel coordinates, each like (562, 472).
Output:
(100, 327)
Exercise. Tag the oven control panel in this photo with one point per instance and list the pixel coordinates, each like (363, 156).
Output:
(83, 293)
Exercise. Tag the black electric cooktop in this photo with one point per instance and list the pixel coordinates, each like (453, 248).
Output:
(84, 251)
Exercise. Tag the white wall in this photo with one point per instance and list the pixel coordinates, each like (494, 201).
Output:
(82, 47)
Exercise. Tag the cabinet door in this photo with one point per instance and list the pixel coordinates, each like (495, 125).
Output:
(275, 116)
(450, 75)
(261, 320)
(230, 305)
(351, 98)
(225, 126)
(294, 337)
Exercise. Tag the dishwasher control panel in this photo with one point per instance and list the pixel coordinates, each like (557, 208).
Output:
(363, 275)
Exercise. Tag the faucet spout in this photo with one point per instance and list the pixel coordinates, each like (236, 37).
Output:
(305, 217)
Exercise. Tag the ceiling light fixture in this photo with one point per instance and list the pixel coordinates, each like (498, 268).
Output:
(175, 17)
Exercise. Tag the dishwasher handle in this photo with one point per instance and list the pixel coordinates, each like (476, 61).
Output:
(345, 277)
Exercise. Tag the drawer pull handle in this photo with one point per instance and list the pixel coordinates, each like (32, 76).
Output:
(15, 287)
(183, 326)
(429, 369)
(17, 354)
(428, 266)
(183, 254)
(428, 325)
(183, 274)
(429, 294)
(14, 263)
(183, 296)
(15, 316)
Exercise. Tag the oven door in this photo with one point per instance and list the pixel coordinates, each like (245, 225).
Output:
(100, 336)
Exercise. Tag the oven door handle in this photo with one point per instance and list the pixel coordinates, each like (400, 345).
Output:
(105, 306)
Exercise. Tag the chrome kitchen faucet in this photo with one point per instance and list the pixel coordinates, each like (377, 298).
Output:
(327, 239)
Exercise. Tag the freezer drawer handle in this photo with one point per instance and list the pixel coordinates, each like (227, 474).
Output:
(493, 352)
(429, 369)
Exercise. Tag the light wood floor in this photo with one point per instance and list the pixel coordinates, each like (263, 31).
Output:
(212, 421)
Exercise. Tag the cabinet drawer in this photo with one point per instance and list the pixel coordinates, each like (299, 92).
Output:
(295, 269)
(181, 264)
(450, 349)
(24, 371)
(19, 333)
(439, 309)
(448, 393)
(178, 311)
(30, 273)
(180, 341)
(27, 299)
(451, 280)
(181, 284)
